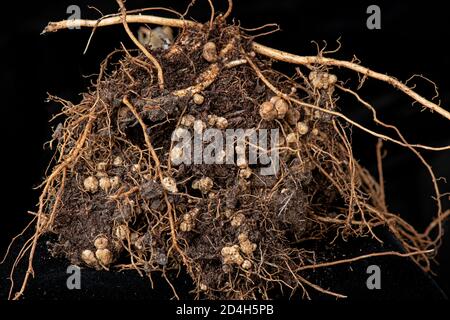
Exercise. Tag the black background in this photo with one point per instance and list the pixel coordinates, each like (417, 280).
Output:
(412, 40)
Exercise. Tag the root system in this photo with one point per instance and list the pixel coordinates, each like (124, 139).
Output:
(115, 199)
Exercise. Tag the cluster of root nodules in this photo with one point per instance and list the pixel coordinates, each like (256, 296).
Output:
(115, 200)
